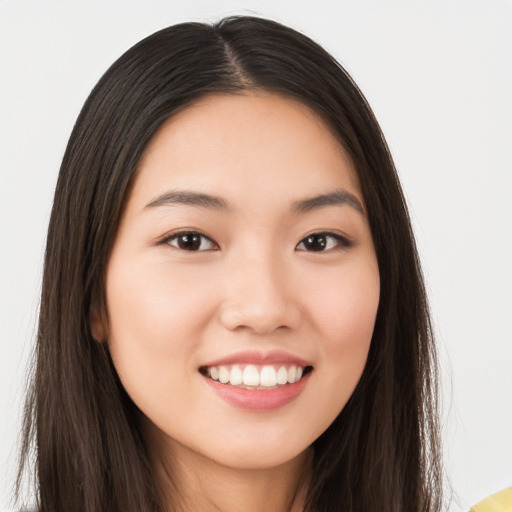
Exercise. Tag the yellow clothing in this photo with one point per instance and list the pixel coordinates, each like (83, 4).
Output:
(499, 502)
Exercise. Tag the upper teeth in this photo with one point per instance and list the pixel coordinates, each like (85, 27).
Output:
(266, 376)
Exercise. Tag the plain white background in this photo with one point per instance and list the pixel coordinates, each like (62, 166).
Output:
(438, 75)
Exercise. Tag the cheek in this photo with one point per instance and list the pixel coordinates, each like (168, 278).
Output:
(344, 316)
(154, 329)
(154, 308)
(346, 308)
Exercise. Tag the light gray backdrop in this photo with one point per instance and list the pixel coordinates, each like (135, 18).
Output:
(438, 75)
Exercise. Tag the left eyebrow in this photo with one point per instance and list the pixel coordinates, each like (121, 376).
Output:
(338, 197)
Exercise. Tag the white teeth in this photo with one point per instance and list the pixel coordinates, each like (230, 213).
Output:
(251, 376)
(268, 376)
(282, 375)
(236, 377)
(224, 375)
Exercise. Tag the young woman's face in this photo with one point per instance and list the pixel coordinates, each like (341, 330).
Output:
(243, 260)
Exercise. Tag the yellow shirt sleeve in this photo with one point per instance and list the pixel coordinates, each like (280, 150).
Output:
(499, 502)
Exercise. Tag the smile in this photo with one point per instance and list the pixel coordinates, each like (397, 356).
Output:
(262, 377)
(257, 381)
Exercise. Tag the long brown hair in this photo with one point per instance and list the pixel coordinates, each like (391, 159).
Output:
(382, 452)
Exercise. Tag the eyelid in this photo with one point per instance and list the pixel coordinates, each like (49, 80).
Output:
(165, 240)
(344, 242)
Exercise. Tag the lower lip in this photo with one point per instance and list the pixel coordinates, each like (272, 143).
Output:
(258, 400)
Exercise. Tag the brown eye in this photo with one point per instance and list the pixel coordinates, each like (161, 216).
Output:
(321, 242)
(191, 241)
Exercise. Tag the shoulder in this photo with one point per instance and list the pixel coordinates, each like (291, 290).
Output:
(499, 502)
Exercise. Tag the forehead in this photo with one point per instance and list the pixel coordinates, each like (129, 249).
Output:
(261, 144)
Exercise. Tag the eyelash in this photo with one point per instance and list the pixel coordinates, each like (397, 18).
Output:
(342, 242)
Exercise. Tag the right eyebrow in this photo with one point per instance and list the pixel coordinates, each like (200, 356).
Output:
(172, 197)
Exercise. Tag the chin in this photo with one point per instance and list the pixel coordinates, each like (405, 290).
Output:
(258, 458)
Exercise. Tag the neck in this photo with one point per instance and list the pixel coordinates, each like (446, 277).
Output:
(191, 482)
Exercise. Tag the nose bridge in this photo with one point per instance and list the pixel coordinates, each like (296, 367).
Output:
(258, 294)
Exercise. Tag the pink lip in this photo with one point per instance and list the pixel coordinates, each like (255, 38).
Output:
(258, 400)
(260, 358)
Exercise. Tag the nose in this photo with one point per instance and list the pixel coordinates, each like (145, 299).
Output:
(259, 296)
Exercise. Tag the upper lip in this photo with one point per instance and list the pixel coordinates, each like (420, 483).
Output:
(259, 358)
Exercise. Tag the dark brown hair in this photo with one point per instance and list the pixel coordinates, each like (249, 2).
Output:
(382, 452)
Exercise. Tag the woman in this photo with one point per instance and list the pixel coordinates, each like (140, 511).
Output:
(233, 314)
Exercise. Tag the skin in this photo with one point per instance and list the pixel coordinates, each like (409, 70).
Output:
(254, 285)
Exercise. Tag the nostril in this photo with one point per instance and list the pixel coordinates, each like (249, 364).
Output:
(260, 319)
